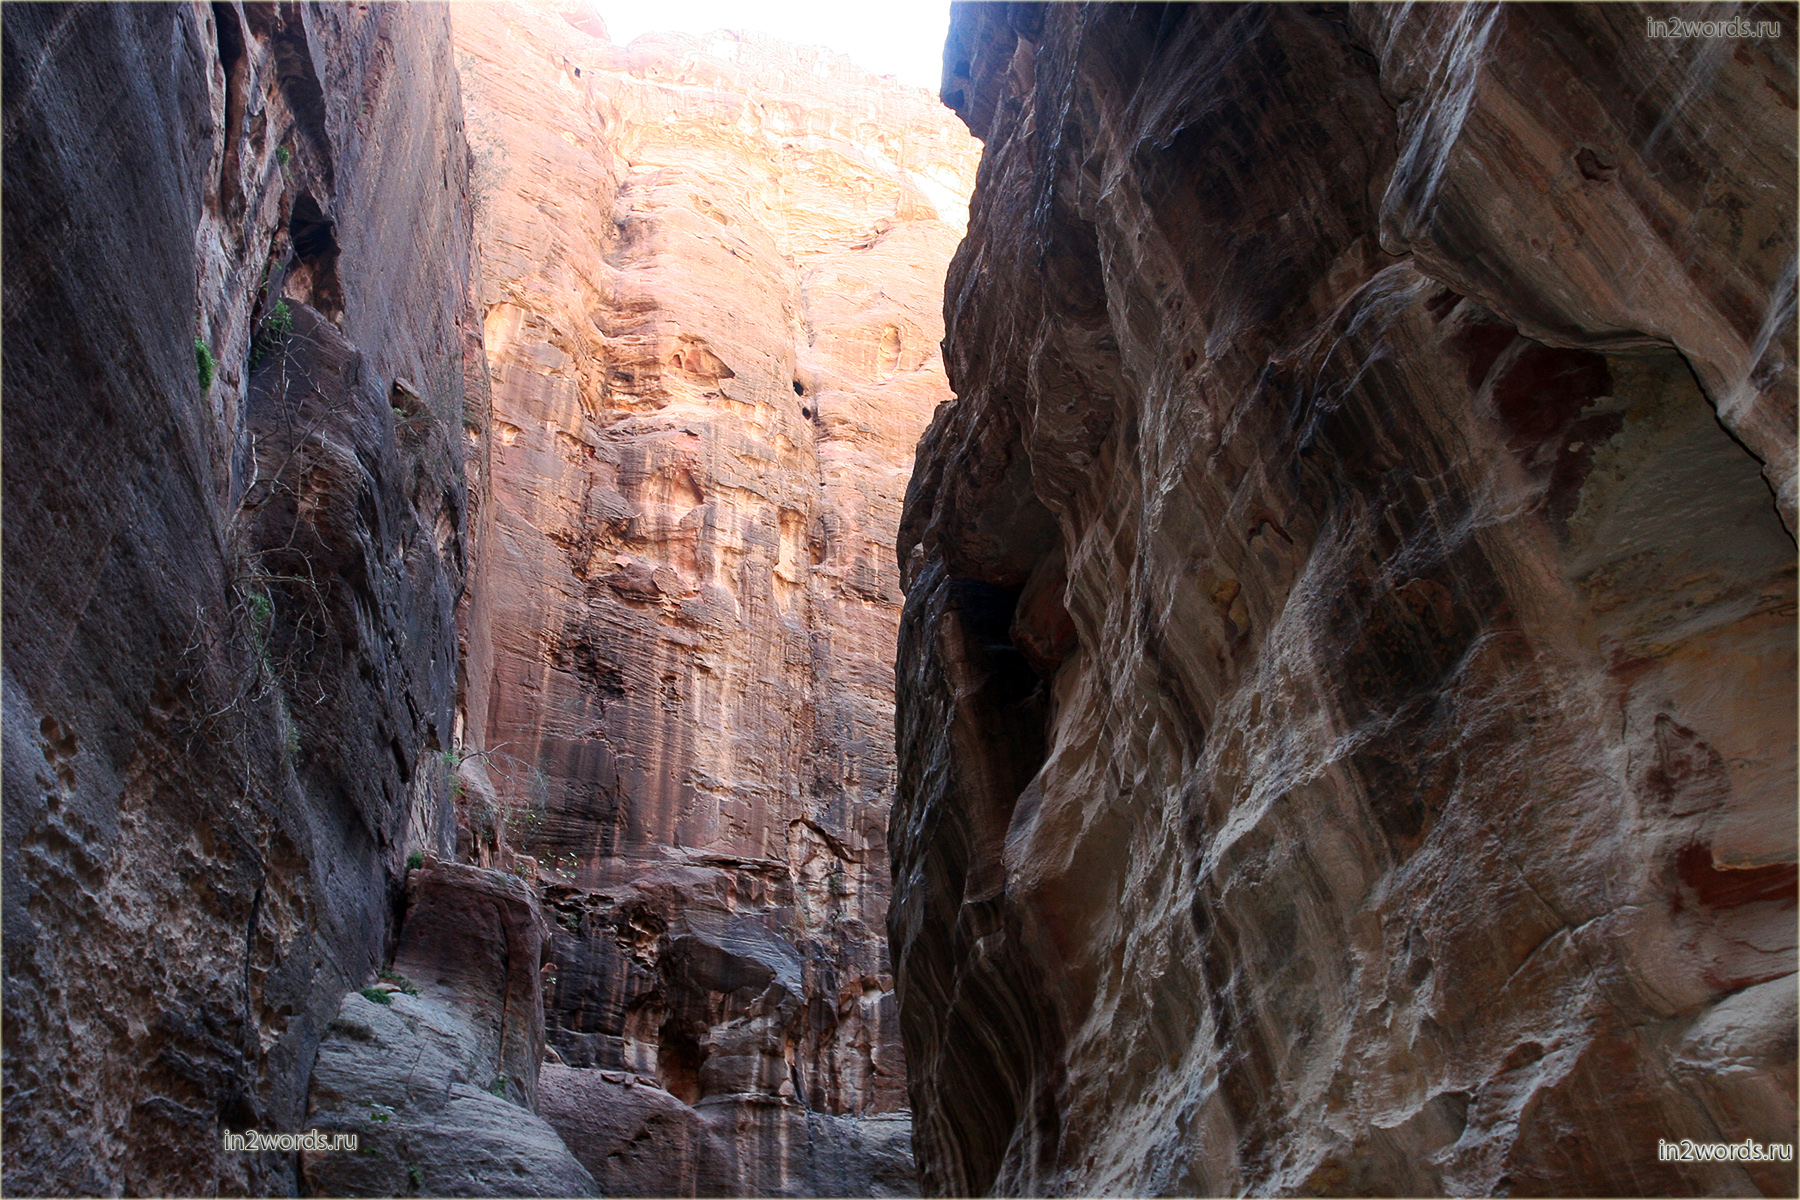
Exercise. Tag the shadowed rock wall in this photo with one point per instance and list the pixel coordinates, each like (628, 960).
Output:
(1347, 682)
(711, 281)
(229, 649)
(435, 1069)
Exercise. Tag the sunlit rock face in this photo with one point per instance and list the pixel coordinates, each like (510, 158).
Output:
(230, 571)
(1346, 692)
(712, 275)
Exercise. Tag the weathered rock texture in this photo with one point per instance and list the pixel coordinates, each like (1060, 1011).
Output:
(711, 277)
(436, 1069)
(639, 1136)
(229, 649)
(1347, 683)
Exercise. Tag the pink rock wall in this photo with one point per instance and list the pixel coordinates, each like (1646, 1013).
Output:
(711, 277)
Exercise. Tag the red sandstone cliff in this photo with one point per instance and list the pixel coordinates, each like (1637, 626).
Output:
(265, 644)
(711, 274)
(1346, 694)
(1347, 684)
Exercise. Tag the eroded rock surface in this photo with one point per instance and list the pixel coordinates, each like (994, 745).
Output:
(1347, 684)
(634, 1131)
(436, 1072)
(711, 279)
(229, 583)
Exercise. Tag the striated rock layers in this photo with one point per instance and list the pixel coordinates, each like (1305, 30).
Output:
(711, 275)
(239, 332)
(1347, 682)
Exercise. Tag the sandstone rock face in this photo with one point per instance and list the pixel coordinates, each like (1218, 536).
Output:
(478, 940)
(229, 648)
(711, 279)
(1346, 694)
(439, 1080)
(636, 1133)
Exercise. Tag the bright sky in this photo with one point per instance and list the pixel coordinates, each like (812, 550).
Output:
(900, 37)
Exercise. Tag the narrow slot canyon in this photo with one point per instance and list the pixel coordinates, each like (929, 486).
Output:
(1208, 611)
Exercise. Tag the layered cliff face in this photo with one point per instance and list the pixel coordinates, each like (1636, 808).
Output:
(239, 333)
(712, 281)
(1347, 682)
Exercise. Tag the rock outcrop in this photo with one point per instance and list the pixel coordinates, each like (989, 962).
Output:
(640, 1136)
(711, 274)
(1347, 682)
(239, 340)
(435, 1070)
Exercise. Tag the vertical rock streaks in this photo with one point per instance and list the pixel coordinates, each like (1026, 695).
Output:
(711, 278)
(238, 343)
(1346, 686)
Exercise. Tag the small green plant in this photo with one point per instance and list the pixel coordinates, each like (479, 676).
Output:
(282, 155)
(204, 363)
(380, 1112)
(262, 612)
(376, 996)
(498, 1087)
(280, 321)
(275, 329)
(415, 1178)
(399, 981)
(452, 759)
(415, 860)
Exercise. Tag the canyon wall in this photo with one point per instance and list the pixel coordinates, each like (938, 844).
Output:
(239, 340)
(711, 279)
(1346, 690)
